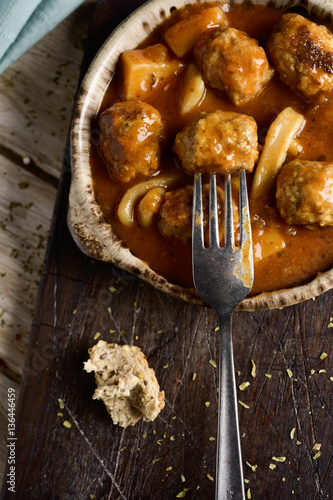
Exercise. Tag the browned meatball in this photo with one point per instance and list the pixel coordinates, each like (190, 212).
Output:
(218, 142)
(131, 134)
(302, 53)
(304, 192)
(176, 212)
(233, 62)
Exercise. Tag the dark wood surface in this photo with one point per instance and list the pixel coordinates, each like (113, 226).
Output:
(94, 458)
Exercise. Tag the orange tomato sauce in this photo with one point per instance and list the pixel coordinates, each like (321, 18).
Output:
(284, 255)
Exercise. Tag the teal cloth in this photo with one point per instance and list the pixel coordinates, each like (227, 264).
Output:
(24, 22)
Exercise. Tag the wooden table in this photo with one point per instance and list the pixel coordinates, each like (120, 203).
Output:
(285, 413)
(36, 100)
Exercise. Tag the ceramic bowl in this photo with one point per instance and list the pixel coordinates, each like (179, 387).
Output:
(92, 234)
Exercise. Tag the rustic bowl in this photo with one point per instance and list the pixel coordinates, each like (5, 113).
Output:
(86, 222)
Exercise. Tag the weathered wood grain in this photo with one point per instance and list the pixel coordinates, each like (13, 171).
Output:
(36, 99)
(288, 402)
(37, 94)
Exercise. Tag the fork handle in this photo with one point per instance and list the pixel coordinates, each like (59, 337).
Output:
(229, 469)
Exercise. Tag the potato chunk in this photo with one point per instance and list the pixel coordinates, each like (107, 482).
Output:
(147, 70)
(182, 36)
(218, 142)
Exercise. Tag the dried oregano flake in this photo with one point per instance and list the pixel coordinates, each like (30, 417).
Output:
(254, 369)
(182, 493)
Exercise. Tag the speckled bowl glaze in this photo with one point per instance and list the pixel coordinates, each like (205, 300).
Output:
(86, 222)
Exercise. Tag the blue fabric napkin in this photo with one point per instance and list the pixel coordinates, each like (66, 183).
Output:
(25, 22)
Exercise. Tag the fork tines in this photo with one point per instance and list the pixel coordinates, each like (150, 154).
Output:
(198, 216)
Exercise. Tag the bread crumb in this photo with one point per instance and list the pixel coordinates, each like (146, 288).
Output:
(125, 383)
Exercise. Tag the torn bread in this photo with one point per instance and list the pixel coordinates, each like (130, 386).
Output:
(125, 383)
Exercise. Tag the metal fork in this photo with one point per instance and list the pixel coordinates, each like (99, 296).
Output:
(223, 276)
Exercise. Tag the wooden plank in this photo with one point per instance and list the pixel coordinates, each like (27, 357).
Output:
(37, 92)
(94, 459)
(26, 206)
(35, 109)
(5, 384)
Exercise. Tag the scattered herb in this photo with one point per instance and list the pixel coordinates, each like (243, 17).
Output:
(244, 386)
(14, 253)
(182, 493)
(254, 369)
(252, 467)
(212, 362)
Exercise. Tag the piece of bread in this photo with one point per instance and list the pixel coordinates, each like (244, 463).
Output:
(125, 383)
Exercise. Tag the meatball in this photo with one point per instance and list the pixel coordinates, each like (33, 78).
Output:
(233, 62)
(302, 53)
(176, 212)
(218, 142)
(131, 134)
(304, 193)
